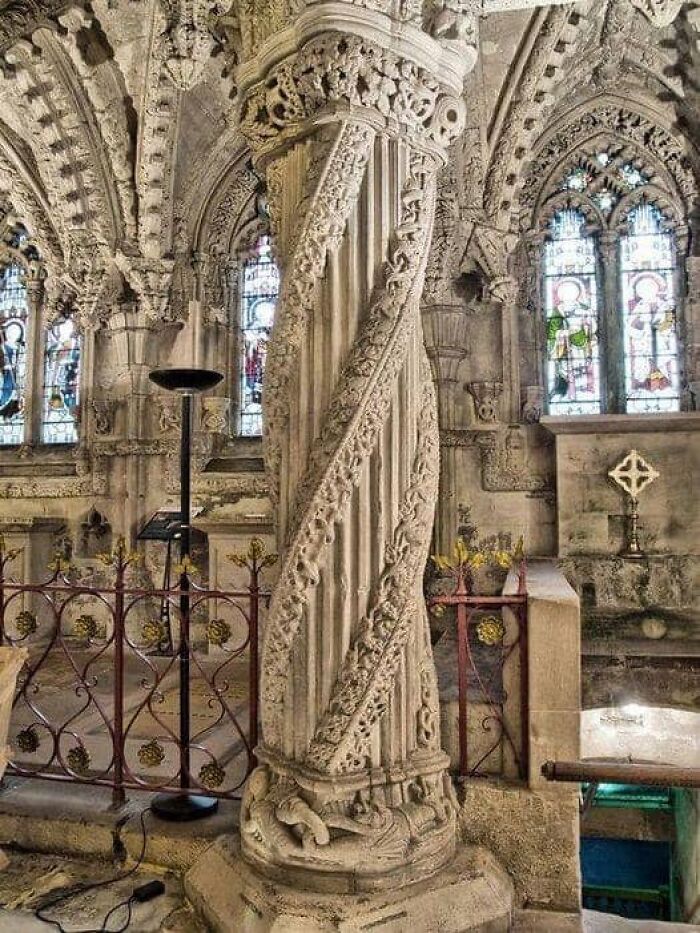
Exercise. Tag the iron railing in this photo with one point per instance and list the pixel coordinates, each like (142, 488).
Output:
(98, 699)
(492, 659)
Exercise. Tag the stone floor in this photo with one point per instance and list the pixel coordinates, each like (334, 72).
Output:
(31, 880)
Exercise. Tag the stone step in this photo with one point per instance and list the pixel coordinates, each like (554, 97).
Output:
(78, 820)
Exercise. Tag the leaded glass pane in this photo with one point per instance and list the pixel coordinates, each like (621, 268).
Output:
(606, 200)
(13, 353)
(647, 264)
(571, 308)
(61, 383)
(260, 287)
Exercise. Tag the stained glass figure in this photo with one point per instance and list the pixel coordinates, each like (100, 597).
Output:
(571, 307)
(61, 383)
(647, 266)
(259, 291)
(13, 353)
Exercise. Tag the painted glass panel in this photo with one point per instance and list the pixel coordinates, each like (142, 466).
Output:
(61, 383)
(647, 264)
(259, 290)
(571, 308)
(13, 353)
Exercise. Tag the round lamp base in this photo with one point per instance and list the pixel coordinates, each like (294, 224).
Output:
(181, 808)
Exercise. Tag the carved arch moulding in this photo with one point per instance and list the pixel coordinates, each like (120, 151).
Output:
(670, 159)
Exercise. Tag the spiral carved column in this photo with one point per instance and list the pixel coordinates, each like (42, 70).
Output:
(349, 132)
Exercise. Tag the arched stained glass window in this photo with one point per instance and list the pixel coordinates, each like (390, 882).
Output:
(13, 353)
(259, 291)
(61, 383)
(571, 316)
(609, 265)
(647, 269)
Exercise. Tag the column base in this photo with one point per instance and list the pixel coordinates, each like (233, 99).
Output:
(471, 893)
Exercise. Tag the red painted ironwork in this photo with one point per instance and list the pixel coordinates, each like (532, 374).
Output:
(119, 681)
(471, 612)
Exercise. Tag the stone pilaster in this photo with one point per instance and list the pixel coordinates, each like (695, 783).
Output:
(349, 114)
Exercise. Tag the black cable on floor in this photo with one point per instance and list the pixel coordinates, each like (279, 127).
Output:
(83, 889)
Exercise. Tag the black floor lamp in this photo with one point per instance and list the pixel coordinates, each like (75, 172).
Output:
(187, 382)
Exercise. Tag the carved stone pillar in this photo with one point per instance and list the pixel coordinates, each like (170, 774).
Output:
(446, 341)
(348, 115)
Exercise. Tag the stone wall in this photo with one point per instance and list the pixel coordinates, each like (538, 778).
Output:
(687, 853)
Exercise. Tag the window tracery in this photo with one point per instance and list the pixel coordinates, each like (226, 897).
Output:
(610, 243)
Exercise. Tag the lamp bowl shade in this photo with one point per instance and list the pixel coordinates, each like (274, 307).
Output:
(186, 380)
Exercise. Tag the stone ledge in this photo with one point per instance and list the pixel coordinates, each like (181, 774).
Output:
(473, 893)
(655, 422)
(78, 821)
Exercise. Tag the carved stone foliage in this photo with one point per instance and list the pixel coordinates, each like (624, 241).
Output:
(151, 279)
(350, 71)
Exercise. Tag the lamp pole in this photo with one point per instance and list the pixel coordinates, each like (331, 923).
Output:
(186, 382)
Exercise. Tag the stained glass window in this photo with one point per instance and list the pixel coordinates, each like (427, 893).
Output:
(647, 267)
(259, 290)
(571, 308)
(61, 383)
(13, 353)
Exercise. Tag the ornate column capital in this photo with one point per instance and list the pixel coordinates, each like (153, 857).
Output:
(151, 279)
(344, 61)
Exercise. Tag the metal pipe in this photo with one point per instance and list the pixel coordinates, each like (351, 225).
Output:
(622, 772)
(185, 539)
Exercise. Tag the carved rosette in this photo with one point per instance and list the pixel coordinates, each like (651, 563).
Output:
(353, 782)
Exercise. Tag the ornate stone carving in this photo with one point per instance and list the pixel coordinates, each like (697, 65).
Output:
(282, 823)
(342, 70)
(486, 397)
(188, 38)
(104, 410)
(660, 13)
(533, 406)
(168, 415)
(503, 465)
(332, 124)
(334, 193)
(151, 280)
(215, 415)
(622, 123)
(328, 483)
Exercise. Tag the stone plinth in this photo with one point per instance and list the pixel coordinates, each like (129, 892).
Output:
(472, 893)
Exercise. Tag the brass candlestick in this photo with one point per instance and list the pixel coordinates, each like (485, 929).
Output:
(633, 474)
